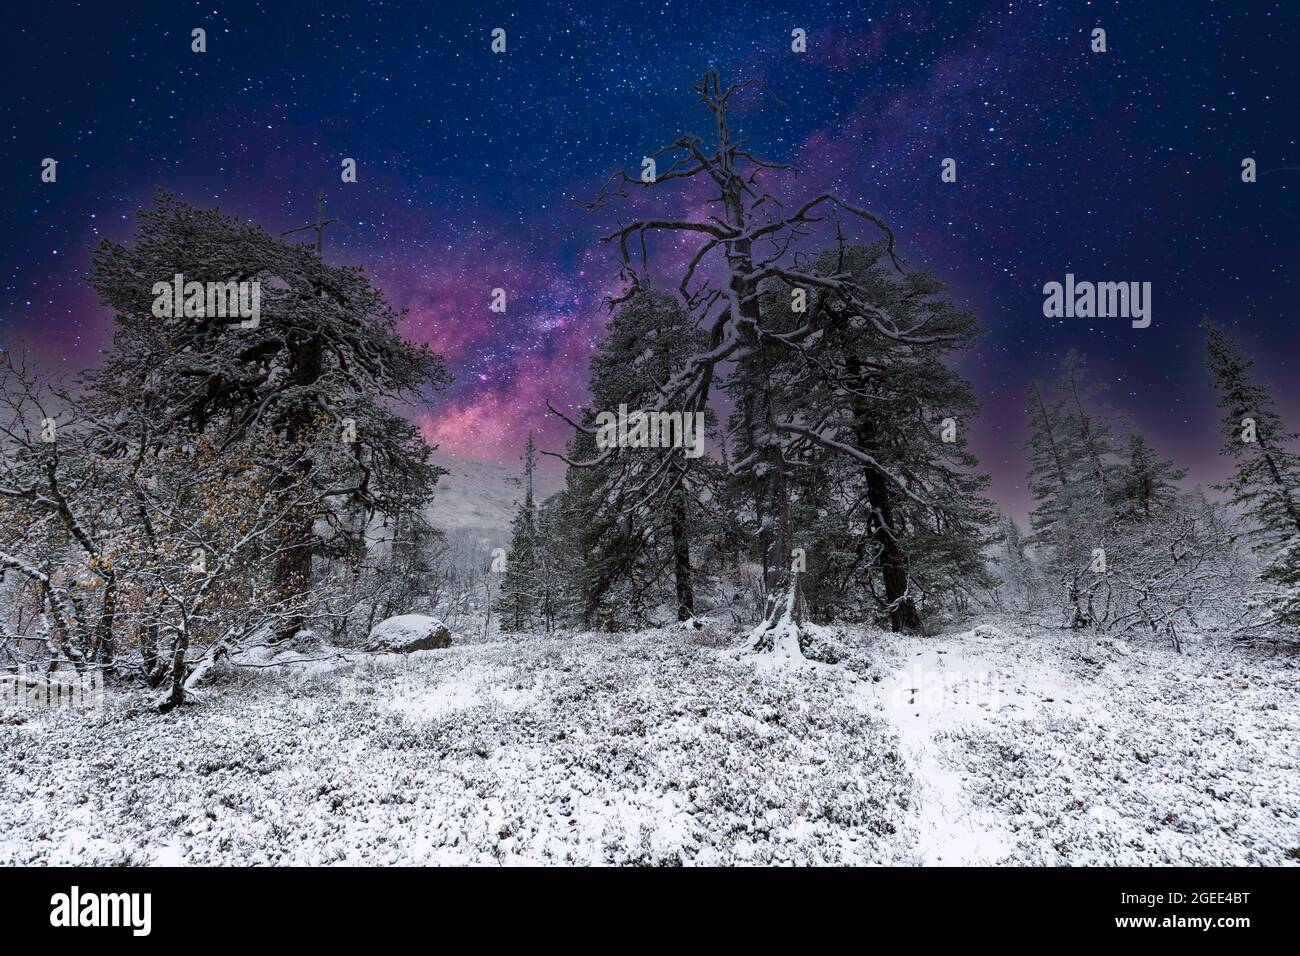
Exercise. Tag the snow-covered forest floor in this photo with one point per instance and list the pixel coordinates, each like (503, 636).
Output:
(997, 744)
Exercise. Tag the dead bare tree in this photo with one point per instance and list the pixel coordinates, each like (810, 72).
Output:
(199, 579)
(743, 251)
(54, 501)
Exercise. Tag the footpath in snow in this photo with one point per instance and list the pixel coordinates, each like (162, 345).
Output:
(1063, 749)
(942, 685)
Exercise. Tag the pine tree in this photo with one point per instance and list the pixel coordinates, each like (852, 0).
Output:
(1266, 483)
(552, 575)
(756, 243)
(915, 492)
(324, 357)
(636, 505)
(518, 600)
(1149, 481)
(1073, 462)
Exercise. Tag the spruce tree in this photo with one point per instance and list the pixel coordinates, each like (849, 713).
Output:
(1073, 469)
(518, 599)
(915, 517)
(636, 506)
(1149, 481)
(1266, 482)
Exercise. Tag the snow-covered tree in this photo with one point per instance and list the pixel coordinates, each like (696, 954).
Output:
(552, 597)
(635, 505)
(1173, 569)
(902, 404)
(1266, 483)
(754, 241)
(168, 554)
(1148, 481)
(58, 508)
(1016, 578)
(213, 518)
(518, 598)
(324, 347)
(172, 503)
(1073, 477)
(1113, 535)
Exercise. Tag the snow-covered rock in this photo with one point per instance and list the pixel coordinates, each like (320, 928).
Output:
(695, 623)
(409, 632)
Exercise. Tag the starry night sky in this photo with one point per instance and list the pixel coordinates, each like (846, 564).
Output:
(1116, 166)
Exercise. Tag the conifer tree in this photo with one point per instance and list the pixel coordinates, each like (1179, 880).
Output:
(1015, 569)
(1266, 483)
(917, 499)
(1072, 466)
(1149, 481)
(322, 360)
(636, 505)
(754, 241)
(518, 599)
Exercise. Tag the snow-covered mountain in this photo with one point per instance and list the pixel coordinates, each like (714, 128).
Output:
(477, 499)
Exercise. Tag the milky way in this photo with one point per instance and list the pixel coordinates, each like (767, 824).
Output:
(1124, 165)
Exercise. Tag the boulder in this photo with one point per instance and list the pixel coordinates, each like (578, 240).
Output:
(408, 632)
(987, 632)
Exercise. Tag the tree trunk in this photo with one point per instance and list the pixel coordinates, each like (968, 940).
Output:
(151, 663)
(293, 564)
(177, 695)
(903, 615)
(771, 496)
(104, 642)
(682, 557)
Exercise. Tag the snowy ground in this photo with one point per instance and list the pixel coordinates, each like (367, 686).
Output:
(1061, 750)
(671, 747)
